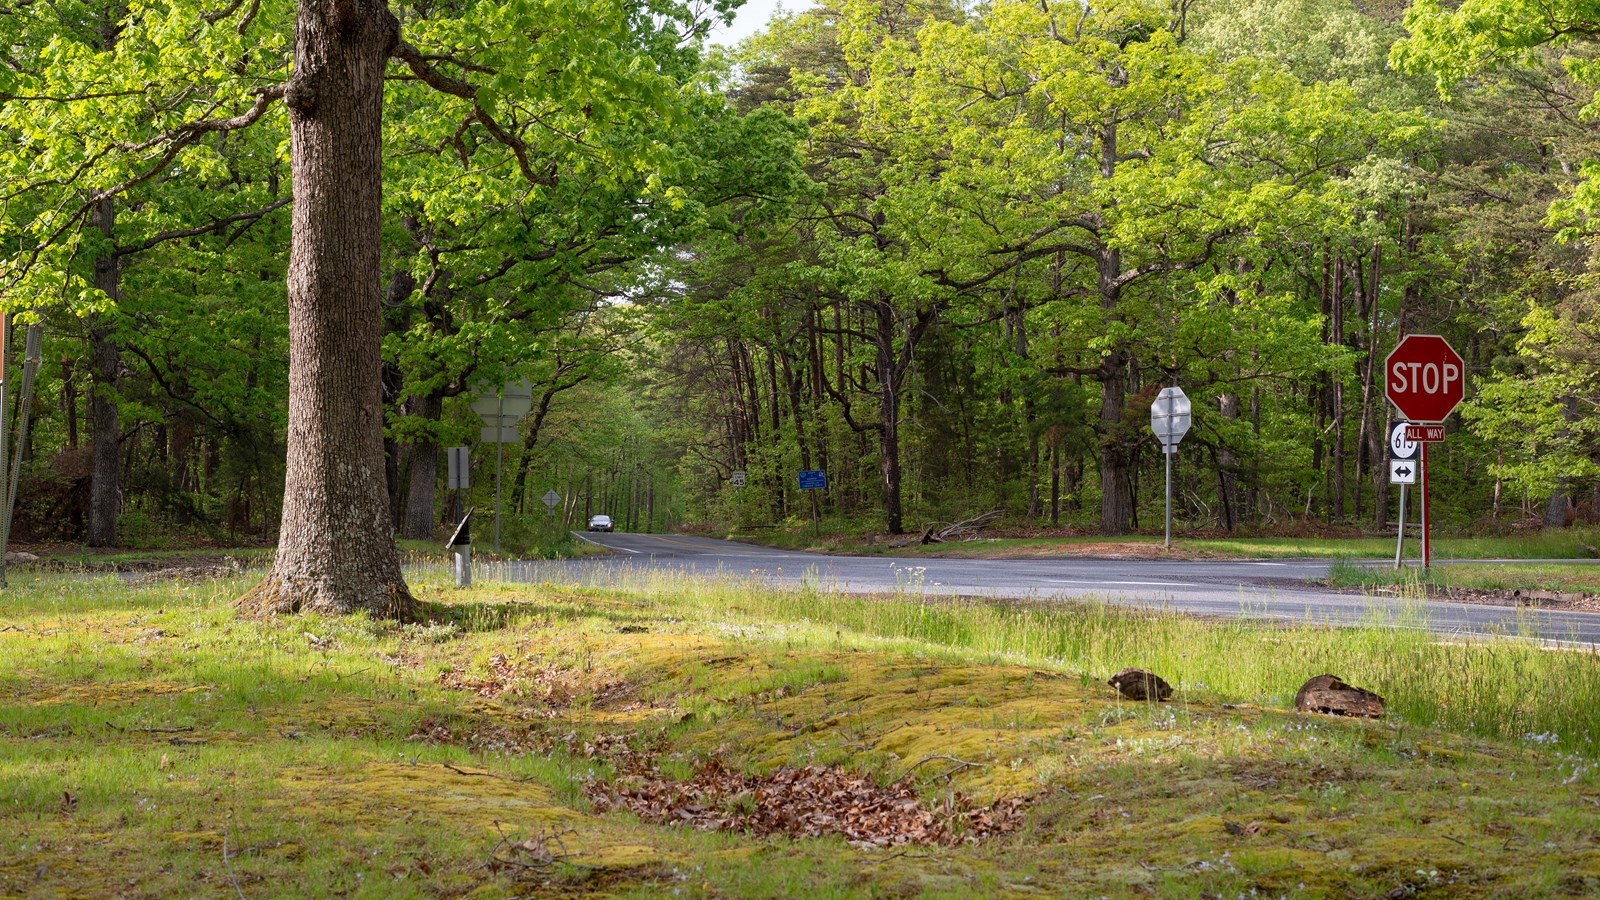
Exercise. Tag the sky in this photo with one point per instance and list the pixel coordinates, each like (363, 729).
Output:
(752, 17)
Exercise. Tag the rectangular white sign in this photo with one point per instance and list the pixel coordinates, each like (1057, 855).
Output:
(459, 469)
(1403, 471)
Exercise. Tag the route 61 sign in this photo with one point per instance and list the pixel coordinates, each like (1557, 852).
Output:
(1401, 447)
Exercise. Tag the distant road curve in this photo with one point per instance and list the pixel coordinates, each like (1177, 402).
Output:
(1266, 589)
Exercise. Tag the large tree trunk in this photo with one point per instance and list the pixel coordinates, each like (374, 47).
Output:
(336, 550)
(1116, 457)
(105, 429)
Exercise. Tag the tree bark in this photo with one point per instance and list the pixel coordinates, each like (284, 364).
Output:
(889, 375)
(1336, 394)
(1116, 485)
(1116, 458)
(105, 429)
(336, 550)
(1228, 466)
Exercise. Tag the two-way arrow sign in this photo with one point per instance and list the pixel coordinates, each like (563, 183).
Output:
(1402, 471)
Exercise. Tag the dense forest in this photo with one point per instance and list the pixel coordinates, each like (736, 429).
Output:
(946, 252)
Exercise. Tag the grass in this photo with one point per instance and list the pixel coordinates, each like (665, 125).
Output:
(1526, 577)
(153, 744)
(1571, 543)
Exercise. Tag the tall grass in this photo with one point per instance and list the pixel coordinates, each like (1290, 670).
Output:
(1542, 576)
(1506, 686)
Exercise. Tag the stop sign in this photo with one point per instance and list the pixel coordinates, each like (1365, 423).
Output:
(1424, 378)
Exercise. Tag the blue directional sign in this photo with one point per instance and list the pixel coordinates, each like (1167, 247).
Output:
(813, 480)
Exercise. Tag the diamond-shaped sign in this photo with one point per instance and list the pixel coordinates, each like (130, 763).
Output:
(551, 498)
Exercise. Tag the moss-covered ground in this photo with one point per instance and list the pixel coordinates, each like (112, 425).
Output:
(153, 744)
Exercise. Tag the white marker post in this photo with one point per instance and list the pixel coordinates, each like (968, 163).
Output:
(1402, 471)
(1169, 419)
(461, 546)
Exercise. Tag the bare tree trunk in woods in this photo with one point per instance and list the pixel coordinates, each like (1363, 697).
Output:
(1035, 460)
(401, 284)
(1336, 397)
(889, 417)
(1055, 483)
(421, 502)
(1116, 457)
(530, 437)
(1555, 511)
(1252, 481)
(105, 429)
(799, 418)
(69, 400)
(1500, 461)
(336, 550)
(772, 391)
(1372, 431)
(1227, 465)
(1319, 392)
(1116, 486)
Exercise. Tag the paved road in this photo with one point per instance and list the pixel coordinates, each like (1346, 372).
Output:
(1271, 589)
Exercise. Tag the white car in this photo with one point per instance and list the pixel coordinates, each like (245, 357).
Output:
(600, 523)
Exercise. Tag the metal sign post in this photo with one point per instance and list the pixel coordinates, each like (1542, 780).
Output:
(1169, 419)
(814, 480)
(1428, 550)
(1425, 435)
(458, 469)
(1402, 471)
(460, 546)
(501, 408)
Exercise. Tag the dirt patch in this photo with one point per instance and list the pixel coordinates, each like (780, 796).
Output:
(807, 802)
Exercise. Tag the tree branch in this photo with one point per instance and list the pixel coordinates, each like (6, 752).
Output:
(217, 225)
(419, 66)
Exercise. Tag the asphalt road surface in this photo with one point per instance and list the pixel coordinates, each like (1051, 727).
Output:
(1267, 589)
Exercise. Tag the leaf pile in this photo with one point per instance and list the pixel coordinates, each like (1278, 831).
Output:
(555, 686)
(809, 801)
